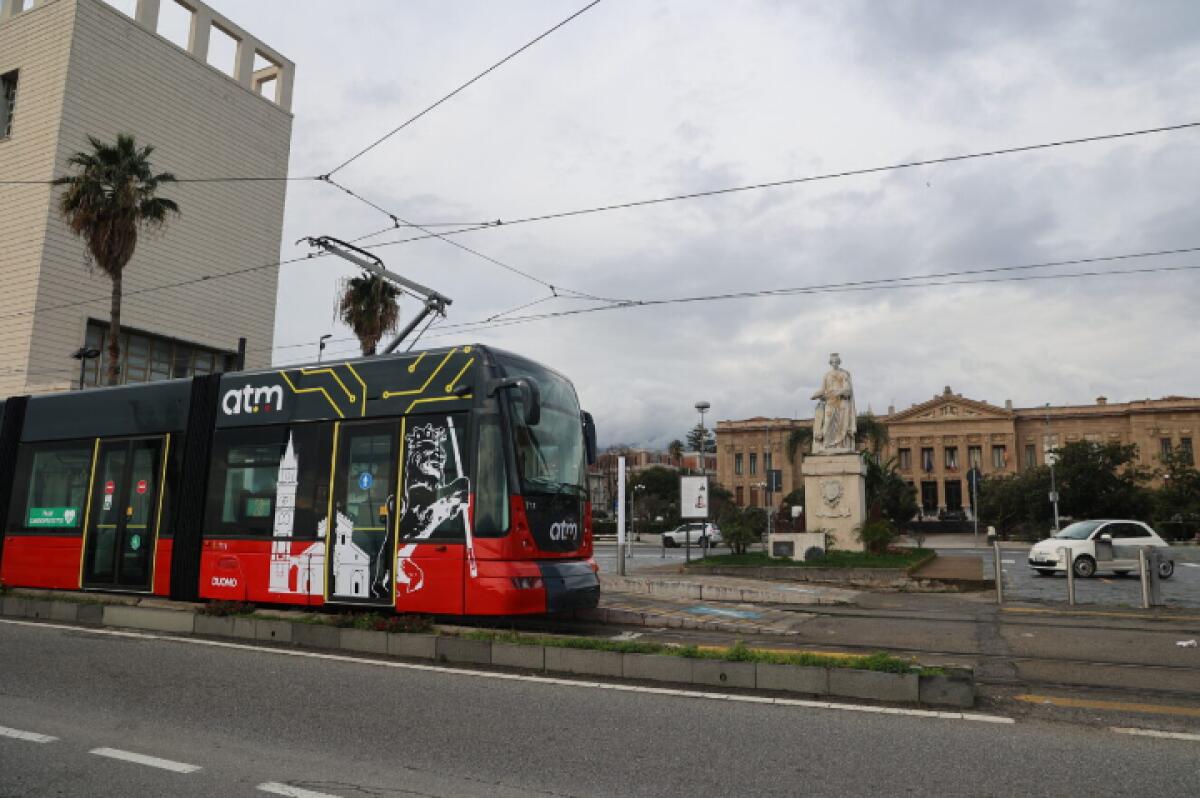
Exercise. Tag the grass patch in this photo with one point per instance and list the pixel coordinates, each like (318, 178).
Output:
(382, 622)
(906, 558)
(223, 609)
(738, 652)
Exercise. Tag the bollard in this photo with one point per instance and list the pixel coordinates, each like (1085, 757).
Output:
(999, 571)
(1144, 574)
(1065, 555)
(662, 546)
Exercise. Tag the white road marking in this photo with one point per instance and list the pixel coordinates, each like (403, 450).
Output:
(1190, 564)
(275, 788)
(32, 737)
(1009, 562)
(142, 759)
(516, 677)
(1156, 733)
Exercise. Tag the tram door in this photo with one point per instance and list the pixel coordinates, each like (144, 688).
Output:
(124, 514)
(364, 501)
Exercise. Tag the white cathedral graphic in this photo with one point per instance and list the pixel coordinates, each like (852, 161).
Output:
(301, 573)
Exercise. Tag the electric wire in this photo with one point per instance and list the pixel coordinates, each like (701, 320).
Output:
(461, 88)
(795, 181)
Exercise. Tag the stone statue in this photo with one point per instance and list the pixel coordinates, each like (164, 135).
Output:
(835, 421)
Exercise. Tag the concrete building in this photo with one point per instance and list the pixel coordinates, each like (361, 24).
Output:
(77, 68)
(936, 442)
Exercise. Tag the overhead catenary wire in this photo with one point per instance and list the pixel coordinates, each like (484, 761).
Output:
(917, 280)
(554, 290)
(460, 89)
(858, 286)
(945, 159)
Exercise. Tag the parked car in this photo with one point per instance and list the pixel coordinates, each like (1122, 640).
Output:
(1082, 538)
(696, 531)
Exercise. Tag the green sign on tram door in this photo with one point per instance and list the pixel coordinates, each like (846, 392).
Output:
(56, 517)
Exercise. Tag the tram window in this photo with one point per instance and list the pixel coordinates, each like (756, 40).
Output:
(491, 485)
(254, 477)
(51, 487)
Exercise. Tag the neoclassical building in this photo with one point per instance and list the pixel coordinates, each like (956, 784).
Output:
(937, 441)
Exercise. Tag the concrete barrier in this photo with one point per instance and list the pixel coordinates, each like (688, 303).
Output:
(514, 655)
(149, 618)
(791, 678)
(464, 650)
(583, 661)
(902, 688)
(657, 668)
(956, 688)
(416, 646)
(364, 640)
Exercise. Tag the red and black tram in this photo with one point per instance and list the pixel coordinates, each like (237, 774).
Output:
(448, 481)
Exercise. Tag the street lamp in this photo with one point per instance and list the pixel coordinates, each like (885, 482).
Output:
(637, 533)
(1051, 459)
(702, 407)
(83, 354)
(321, 345)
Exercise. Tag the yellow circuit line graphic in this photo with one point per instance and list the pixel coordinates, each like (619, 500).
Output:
(331, 373)
(361, 382)
(412, 367)
(429, 381)
(459, 375)
(318, 389)
(416, 402)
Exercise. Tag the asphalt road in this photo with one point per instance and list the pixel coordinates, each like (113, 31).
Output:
(647, 554)
(252, 721)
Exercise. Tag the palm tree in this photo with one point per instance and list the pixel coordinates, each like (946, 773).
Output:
(871, 430)
(675, 450)
(368, 305)
(799, 440)
(110, 201)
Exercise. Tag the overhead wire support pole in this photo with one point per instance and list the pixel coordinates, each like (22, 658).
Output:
(434, 301)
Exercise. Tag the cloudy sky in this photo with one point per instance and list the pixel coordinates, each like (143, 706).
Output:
(646, 98)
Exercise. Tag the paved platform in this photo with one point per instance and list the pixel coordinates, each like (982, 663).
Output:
(725, 588)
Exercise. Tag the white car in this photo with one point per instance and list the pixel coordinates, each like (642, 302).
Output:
(1083, 538)
(697, 532)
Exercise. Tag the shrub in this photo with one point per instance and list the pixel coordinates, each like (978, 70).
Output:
(876, 535)
(221, 609)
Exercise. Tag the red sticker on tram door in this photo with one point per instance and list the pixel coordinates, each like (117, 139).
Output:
(141, 486)
(110, 488)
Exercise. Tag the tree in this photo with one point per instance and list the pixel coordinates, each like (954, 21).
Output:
(719, 497)
(675, 450)
(701, 436)
(369, 306)
(108, 203)
(872, 432)
(1102, 480)
(741, 527)
(1017, 502)
(1177, 502)
(888, 493)
(799, 442)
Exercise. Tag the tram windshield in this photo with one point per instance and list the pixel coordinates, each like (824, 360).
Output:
(550, 455)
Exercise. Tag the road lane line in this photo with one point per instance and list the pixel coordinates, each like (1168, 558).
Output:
(32, 737)
(142, 759)
(1119, 706)
(275, 788)
(518, 677)
(1156, 733)
(1190, 564)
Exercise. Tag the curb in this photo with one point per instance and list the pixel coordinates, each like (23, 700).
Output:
(670, 588)
(953, 689)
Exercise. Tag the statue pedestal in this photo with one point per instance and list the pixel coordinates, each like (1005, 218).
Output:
(835, 496)
(795, 545)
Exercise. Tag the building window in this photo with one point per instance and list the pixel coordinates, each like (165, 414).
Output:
(753, 463)
(1165, 443)
(741, 496)
(999, 457)
(753, 497)
(951, 458)
(8, 102)
(927, 459)
(1030, 455)
(974, 456)
(150, 358)
(1185, 446)
(905, 459)
(737, 465)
